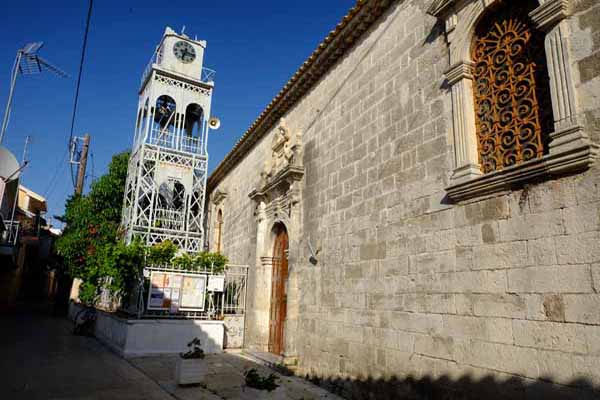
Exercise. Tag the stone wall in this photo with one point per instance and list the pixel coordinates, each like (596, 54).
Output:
(408, 283)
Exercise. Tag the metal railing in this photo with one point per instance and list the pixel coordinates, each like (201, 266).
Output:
(10, 236)
(206, 75)
(173, 141)
(230, 302)
(169, 219)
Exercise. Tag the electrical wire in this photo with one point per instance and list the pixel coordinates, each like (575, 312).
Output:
(81, 62)
(59, 167)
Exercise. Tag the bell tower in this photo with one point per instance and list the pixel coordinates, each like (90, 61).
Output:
(166, 178)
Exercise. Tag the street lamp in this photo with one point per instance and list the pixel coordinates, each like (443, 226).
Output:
(27, 62)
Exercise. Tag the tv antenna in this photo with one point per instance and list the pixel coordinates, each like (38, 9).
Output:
(27, 62)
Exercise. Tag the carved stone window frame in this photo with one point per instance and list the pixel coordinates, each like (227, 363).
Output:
(570, 149)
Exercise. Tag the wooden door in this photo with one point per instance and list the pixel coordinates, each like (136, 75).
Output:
(278, 292)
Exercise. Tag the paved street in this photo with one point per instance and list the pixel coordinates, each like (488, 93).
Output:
(225, 380)
(41, 359)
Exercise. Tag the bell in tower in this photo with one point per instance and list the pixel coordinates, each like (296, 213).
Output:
(166, 179)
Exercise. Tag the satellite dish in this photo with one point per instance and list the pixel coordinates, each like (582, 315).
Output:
(9, 166)
(214, 123)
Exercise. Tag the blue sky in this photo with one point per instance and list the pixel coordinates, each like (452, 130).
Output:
(255, 47)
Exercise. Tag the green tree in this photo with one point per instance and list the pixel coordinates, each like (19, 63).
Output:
(91, 242)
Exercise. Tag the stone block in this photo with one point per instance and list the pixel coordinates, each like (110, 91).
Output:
(541, 252)
(531, 226)
(582, 308)
(578, 249)
(474, 282)
(464, 258)
(584, 218)
(499, 357)
(535, 308)
(592, 338)
(566, 279)
(435, 346)
(556, 366)
(553, 307)
(416, 322)
(438, 303)
(568, 338)
(500, 255)
(432, 262)
(551, 195)
(486, 329)
(431, 149)
(499, 305)
(373, 251)
(596, 277)
(587, 367)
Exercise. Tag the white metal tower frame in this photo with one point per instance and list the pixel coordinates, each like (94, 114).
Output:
(167, 173)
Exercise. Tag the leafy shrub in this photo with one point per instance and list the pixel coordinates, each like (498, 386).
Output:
(161, 253)
(92, 227)
(184, 261)
(194, 352)
(254, 380)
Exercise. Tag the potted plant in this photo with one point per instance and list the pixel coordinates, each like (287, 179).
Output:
(189, 368)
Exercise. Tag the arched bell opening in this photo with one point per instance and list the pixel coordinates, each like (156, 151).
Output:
(193, 128)
(164, 121)
(193, 120)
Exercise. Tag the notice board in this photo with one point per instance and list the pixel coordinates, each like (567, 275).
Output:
(176, 291)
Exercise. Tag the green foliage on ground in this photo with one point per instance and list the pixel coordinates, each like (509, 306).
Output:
(254, 380)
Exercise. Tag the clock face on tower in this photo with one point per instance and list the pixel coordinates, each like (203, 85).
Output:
(184, 52)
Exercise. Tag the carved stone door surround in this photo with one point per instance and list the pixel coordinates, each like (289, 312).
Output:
(277, 199)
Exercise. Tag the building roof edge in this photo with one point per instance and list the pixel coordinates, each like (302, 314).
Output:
(342, 38)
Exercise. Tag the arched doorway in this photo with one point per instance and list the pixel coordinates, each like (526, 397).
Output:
(278, 289)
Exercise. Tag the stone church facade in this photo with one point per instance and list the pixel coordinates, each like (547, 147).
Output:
(422, 198)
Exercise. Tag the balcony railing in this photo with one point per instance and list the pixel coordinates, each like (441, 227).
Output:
(169, 219)
(173, 141)
(10, 236)
(206, 75)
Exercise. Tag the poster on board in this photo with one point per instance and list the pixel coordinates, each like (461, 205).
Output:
(176, 291)
(193, 292)
(216, 283)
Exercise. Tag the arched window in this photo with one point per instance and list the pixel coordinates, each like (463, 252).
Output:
(515, 107)
(512, 103)
(219, 230)
(193, 120)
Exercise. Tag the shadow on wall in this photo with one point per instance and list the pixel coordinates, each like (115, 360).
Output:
(464, 388)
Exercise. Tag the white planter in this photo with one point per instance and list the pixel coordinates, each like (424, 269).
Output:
(190, 371)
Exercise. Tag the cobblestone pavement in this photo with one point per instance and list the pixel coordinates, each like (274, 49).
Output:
(41, 359)
(225, 380)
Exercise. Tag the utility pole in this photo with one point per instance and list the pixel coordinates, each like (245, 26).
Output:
(82, 164)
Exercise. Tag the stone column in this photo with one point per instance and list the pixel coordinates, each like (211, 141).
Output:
(569, 137)
(460, 78)
(261, 300)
